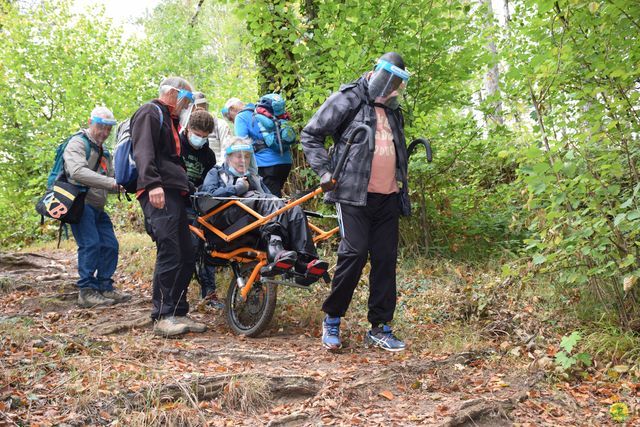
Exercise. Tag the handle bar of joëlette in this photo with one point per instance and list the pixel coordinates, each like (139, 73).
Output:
(425, 143)
(372, 145)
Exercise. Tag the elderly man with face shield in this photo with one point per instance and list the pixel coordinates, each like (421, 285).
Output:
(88, 164)
(162, 190)
(287, 237)
(370, 194)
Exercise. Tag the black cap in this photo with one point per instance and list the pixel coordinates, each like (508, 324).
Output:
(394, 58)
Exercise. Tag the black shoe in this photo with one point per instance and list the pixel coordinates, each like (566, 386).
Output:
(282, 263)
(311, 272)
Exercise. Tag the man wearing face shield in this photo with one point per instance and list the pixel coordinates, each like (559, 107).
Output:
(370, 194)
(97, 243)
(288, 240)
(163, 190)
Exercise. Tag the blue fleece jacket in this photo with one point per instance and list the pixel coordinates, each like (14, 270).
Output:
(247, 127)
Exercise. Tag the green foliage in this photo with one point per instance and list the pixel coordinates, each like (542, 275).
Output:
(57, 66)
(619, 412)
(566, 359)
(572, 76)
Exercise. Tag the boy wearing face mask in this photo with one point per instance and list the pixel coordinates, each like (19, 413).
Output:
(198, 160)
(196, 154)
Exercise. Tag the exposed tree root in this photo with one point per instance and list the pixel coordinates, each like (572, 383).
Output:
(209, 388)
(289, 420)
(114, 328)
(472, 411)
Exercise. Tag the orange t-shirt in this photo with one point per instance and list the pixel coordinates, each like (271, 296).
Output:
(383, 165)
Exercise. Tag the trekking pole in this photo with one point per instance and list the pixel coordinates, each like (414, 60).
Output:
(336, 172)
(425, 143)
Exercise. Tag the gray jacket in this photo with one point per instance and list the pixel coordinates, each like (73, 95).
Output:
(340, 114)
(80, 171)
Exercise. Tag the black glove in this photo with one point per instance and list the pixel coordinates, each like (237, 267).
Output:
(241, 186)
(326, 182)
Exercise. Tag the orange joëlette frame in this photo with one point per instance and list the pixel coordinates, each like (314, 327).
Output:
(260, 220)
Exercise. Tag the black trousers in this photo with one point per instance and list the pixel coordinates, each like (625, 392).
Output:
(291, 225)
(175, 258)
(274, 177)
(370, 230)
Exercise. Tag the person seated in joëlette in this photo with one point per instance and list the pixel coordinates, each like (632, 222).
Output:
(288, 240)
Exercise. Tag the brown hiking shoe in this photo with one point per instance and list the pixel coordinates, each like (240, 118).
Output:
(91, 298)
(169, 327)
(192, 325)
(116, 296)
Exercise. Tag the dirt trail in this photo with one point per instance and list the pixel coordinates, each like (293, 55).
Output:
(70, 366)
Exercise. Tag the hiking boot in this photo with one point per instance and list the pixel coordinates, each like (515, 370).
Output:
(384, 338)
(192, 326)
(169, 327)
(92, 298)
(331, 333)
(118, 297)
(214, 302)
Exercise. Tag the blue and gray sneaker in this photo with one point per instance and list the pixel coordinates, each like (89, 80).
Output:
(331, 333)
(384, 338)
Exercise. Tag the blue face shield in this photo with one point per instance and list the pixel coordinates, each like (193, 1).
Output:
(386, 78)
(103, 121)
(183, 93)
(240, 159)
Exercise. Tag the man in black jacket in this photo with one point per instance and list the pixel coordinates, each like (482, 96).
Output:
(370, 194)
(162, 190)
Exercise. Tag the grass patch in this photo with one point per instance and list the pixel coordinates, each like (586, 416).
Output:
(246, 393)
(609, 343)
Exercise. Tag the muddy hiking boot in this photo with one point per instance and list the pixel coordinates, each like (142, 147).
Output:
(91, 298)
(116, 296)
(280, 260)
(384, 338)
(331, 333)
(192, 325)
(169, 327)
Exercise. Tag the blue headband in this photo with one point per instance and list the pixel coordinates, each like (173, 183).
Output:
(396, 71)
(101, 121)
(239, 147)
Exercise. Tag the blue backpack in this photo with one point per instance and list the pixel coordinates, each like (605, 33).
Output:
(58, 164)
(274, 122)
(126, 172)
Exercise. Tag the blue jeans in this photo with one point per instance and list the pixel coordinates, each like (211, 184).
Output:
(97, 250)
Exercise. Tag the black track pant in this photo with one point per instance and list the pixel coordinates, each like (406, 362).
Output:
(274, 177)
(175, 259)
(291, 225)
(370, 230)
